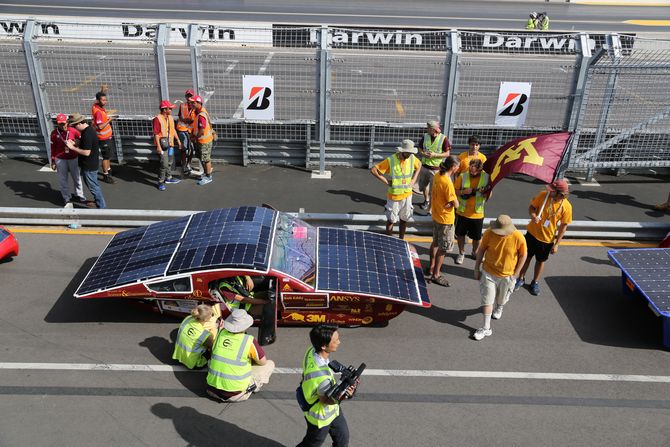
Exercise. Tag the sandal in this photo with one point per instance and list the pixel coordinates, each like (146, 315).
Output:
(441, 280)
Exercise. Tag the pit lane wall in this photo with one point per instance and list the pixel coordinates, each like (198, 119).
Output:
(343, 96)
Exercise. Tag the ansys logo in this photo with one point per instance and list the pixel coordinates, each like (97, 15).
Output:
(260, 98)
(513, 105)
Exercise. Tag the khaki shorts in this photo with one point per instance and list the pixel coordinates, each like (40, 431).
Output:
(203, 151)
(495, 289)
(425, 179)
(443, 236)
(399, 209)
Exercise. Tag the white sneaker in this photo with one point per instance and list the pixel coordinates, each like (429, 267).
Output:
(460, 258)
(497, 313)
(481, 333)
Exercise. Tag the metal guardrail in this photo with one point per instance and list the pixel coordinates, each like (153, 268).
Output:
(420, 225)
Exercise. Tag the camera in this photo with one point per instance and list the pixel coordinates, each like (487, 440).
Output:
(349, 377)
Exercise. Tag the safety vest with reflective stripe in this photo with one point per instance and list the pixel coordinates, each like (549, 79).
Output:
(167, 128)
(230, 367)
(544, 25)
(234, 304)
(185, 112)
(207, 133)
(400, 178)
(530, 24)
(479, 197)
(106, 132)
(435, 146)
(319, 414)
(189, 347)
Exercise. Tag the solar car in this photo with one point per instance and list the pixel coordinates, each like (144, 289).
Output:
(8, 244)
(310, 274)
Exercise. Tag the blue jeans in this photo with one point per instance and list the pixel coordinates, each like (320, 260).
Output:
(91, 182)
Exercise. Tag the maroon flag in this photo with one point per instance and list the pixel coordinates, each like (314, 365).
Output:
(538, 156)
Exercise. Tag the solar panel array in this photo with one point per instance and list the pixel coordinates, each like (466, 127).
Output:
(368, 263)
(650, 270)
(226, 237)
(135, 255)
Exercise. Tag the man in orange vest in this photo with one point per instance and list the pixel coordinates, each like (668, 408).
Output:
(204, 139)
(102, 124)
(185, 129)
(165, 138)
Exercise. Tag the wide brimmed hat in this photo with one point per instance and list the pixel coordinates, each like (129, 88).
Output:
(503, 225)
(76, 118)
(238, 321)
(407, 146)
(432, 124)
(559, 185)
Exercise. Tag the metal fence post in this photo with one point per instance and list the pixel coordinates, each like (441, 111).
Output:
(323, 106)
(162, 40)
(37, 84)
(196, 69)
(454, 43)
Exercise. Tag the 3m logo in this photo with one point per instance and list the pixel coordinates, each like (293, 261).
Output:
(259, 98)
(513, 105)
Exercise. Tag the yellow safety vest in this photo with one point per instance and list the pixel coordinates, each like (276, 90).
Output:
(530, 24)
(232, 305)
(230, 367)
(189, 347)
(435, 146)
(479, 197)
(400, 178)
(319, 414)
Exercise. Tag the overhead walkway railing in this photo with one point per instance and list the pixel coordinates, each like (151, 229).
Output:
(420, 225)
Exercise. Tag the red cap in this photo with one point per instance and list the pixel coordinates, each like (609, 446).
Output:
(165, 104)
(198, 99)
(189, 92)
(559, 185)
(62, 118)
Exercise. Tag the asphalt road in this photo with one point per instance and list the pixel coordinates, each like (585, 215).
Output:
(580, 324)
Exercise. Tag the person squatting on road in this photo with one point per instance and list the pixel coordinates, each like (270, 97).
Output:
(403, 169)
(102, 123)
(434, 147)
(238, 366)
(548, 210)
(185, 130)
(165, 137)
(196, 335)
(443, 204)
(472, 188)
(64, 161)
(204, 139)
(503, 252)
(324, 416)
(89, 156)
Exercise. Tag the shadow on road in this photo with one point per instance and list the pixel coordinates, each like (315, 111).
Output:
(454, 317)
(140, 173)
(201, 430)
(40, 191)
(602, 315)
(358, 197)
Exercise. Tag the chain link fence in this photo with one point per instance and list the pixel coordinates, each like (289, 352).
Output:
(342, 96)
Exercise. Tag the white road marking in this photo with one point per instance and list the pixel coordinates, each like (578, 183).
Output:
(368, 372)
(266, 62)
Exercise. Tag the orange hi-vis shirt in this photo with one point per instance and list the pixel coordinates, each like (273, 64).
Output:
(442, 192)
(167, 128)
(465, 158)
(100, 116)
(385, 166)
(502, 252)
(554, 211)
(185, 112)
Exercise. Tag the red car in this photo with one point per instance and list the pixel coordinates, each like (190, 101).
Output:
(310, 275)
(8, 244)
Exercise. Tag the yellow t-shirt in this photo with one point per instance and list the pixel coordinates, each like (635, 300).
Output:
(470, 203)
(502, 252)
(210, 325)
(384, 167)
(554, 211)
(442, 193)
(465, 158)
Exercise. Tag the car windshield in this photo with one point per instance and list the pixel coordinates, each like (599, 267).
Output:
(294, 251)
(4, 234)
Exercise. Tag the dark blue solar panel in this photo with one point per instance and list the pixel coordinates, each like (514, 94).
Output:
(649, 269)
(358, 261)
(4, 234)
(134, 255)
(238, 237)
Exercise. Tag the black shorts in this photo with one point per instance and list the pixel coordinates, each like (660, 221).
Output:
(105, 149)
(470, 227)
(537, 248)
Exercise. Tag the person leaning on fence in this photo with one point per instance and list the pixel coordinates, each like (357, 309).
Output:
(88, 158)
(196, 336)
(471, 154)
(64, 161)
(403, 169)
(185, 129)
(443, 203)
(503, 252)
(546, 210)
(434, 147)
(165, 138)
(102, 124)
(204, 139)
(472, 188)
(238, 366)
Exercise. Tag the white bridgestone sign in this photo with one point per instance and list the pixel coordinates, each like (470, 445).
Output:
(513, 102)
(258, 97)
